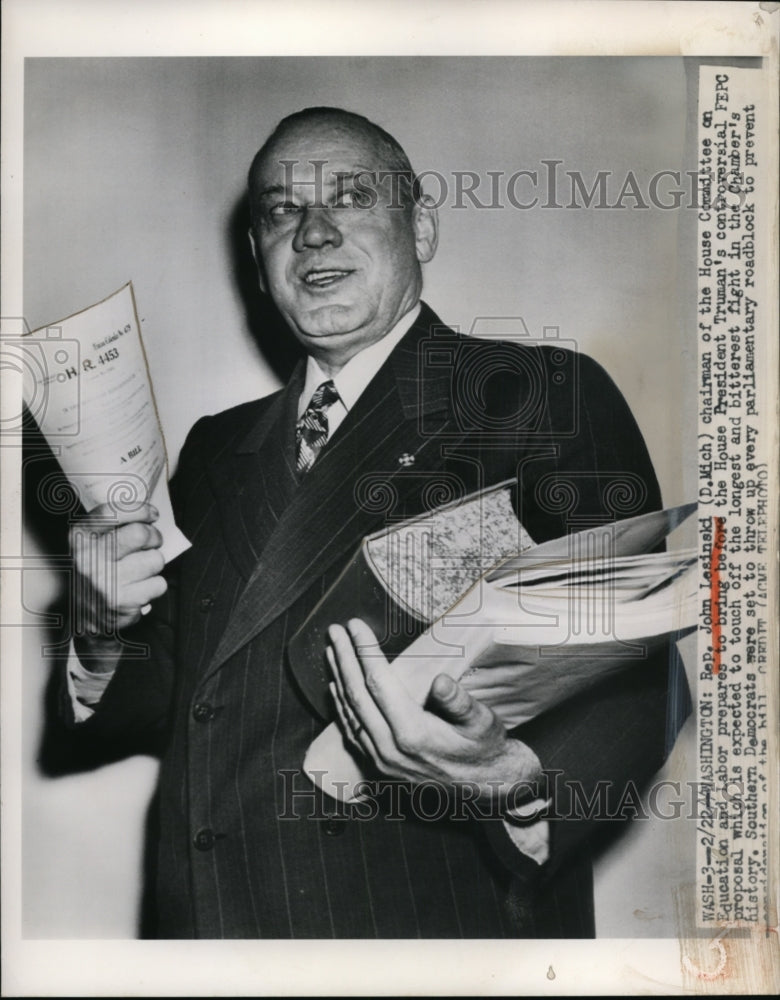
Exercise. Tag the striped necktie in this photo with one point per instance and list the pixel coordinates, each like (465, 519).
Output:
(311, 431)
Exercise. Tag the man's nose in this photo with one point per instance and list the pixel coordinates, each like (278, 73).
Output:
(316, 228)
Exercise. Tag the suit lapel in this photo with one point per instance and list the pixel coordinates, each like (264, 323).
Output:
(338, 502)
(255, 483)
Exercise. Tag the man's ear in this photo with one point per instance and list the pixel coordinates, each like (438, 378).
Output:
(258, 262)
(425, 222)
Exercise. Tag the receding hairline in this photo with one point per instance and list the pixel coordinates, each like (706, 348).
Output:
(391, 154)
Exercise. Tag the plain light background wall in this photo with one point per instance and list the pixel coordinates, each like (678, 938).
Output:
(134, 169)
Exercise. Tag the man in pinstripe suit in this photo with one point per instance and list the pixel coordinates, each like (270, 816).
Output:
(272, 495)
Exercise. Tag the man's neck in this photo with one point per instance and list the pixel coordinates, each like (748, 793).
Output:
(331, 364)
(355, 374)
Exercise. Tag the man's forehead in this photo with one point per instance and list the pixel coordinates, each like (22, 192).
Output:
(324, 149)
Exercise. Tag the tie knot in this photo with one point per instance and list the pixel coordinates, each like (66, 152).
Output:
(323, 396)
(311, 431)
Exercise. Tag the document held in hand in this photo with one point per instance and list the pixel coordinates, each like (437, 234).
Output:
(403, 578)
(531, 630)
(87, 386)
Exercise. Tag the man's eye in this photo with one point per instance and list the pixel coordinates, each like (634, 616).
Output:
(282, 209)
(353, 199)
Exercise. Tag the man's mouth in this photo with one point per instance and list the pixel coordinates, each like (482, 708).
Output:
(324, 277)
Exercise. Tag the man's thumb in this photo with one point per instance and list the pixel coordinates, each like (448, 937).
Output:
(451, 700)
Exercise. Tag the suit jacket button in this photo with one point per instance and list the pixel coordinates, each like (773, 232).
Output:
(204, 840)
(206, 603)
(333, 826)
(203, 712)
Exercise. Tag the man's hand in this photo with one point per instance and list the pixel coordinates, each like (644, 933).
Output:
(452, 739)
(118, 564)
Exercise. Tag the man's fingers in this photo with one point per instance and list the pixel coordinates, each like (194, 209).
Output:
(119, 532)
(117, 555)
(138, 566)
(376, 683)
(106, 516)
(453, 702)
(351, 686)
(135, 537)
(347, 716)
(379, 682)
(349, 727)
(403, 738)
(364, 641)
(353, 727)
(137, 595)
(125, 586)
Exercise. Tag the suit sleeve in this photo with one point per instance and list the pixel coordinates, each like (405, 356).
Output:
(136, 704)
(601, 748)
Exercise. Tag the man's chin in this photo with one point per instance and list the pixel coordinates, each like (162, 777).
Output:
(330, 321)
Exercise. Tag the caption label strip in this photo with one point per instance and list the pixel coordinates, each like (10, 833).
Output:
(734, 484)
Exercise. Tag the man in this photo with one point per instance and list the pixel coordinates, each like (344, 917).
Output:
(272, 495)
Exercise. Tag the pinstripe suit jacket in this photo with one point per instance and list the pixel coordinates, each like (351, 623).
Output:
(246, 847)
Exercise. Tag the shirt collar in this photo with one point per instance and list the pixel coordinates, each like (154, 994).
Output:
(360, 369)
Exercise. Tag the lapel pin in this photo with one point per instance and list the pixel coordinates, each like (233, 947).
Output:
(406, 460)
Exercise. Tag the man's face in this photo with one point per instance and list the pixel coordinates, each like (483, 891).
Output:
(341, 262)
